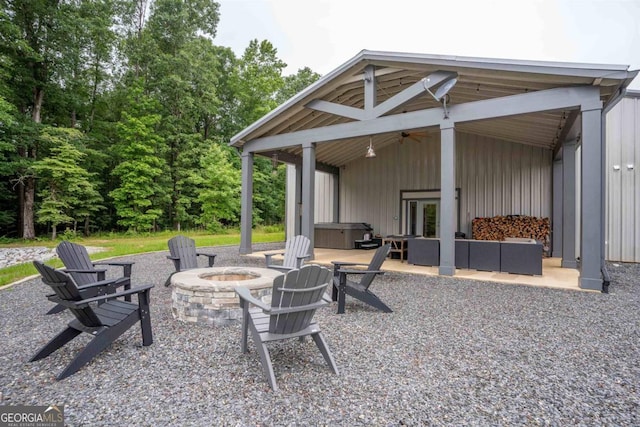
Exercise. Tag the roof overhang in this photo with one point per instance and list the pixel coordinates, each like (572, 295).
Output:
(339, 101)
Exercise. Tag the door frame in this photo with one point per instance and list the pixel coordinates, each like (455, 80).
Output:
(423, 195)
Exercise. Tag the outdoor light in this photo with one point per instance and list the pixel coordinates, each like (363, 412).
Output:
(274, 163)
(370, 153)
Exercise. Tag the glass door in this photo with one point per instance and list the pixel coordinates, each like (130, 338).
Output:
(424, 218)
(430, 218)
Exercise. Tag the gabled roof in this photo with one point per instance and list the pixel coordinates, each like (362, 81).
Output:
(477, 79)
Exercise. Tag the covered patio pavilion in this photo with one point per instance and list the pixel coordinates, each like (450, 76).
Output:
(485, 136)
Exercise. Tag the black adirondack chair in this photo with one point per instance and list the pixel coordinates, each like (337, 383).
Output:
(295, 298)
(295, 252)
(84, 271)
(105, 322)
(184, 255)
(360, 290)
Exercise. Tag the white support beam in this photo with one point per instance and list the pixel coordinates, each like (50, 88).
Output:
(411, 92)
(246, 203)
(395, 101)
(336, 109)
(370, 90)
(532, 102)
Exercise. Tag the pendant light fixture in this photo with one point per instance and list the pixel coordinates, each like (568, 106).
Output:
(370, 153)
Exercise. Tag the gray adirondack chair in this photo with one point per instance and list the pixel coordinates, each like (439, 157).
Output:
(183, 253)
(105, 322)
(295, 252)
(342, 286)
(84, 271)
(295, 298)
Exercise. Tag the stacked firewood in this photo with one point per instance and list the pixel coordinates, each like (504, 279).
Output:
(499, 227)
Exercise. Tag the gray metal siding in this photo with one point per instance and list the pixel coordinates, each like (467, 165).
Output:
(623, 182)
(495, 178)
(324, 196)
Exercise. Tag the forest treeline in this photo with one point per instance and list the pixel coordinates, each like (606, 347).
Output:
(115, 115)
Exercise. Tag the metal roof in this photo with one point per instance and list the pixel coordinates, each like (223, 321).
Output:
(477, 79)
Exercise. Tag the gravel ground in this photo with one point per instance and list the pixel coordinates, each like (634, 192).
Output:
(454, 352)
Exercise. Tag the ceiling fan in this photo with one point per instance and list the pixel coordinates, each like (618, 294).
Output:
(414, 136)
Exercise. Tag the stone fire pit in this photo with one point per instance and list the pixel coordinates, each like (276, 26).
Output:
(206, 295)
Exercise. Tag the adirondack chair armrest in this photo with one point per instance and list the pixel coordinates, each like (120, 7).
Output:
(280, 268)
(206, 254)
(285, 310)
(136, 290)
(100, 272)
(245, 296)
(92, 271)
(126, 265)
(115, 283)
(341, 263)
(301, 258)
(360, 271)
(211, 258)
(269, 257)
(120, 263)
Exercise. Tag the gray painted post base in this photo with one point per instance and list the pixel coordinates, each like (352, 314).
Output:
(593, 284)
(445, 270)
(569, 264)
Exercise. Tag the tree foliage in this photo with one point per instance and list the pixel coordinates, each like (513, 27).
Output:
(67, 192)
(115, 114)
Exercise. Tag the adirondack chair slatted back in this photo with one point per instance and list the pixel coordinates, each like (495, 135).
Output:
(298, 288)
(295, 247)
(76, 257)
(184, 248)
(66, 289)
(375, 264)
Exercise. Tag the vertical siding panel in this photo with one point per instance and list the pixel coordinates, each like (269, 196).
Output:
(613, 183)
(636, 161)
(507, 177)
(627, 177)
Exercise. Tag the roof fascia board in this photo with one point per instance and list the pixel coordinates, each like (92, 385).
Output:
(615, 71)
(544, 100)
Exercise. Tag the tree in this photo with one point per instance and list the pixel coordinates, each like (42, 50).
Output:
(180, 65)
(67, 192)
(295, 83)
(8, 163)
(47, 44)
(219, 189)
(140, 165)
(256, 81)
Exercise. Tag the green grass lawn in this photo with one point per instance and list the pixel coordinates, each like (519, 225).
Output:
(120, 245)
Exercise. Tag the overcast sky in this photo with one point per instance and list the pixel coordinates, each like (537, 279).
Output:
(323, 34)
